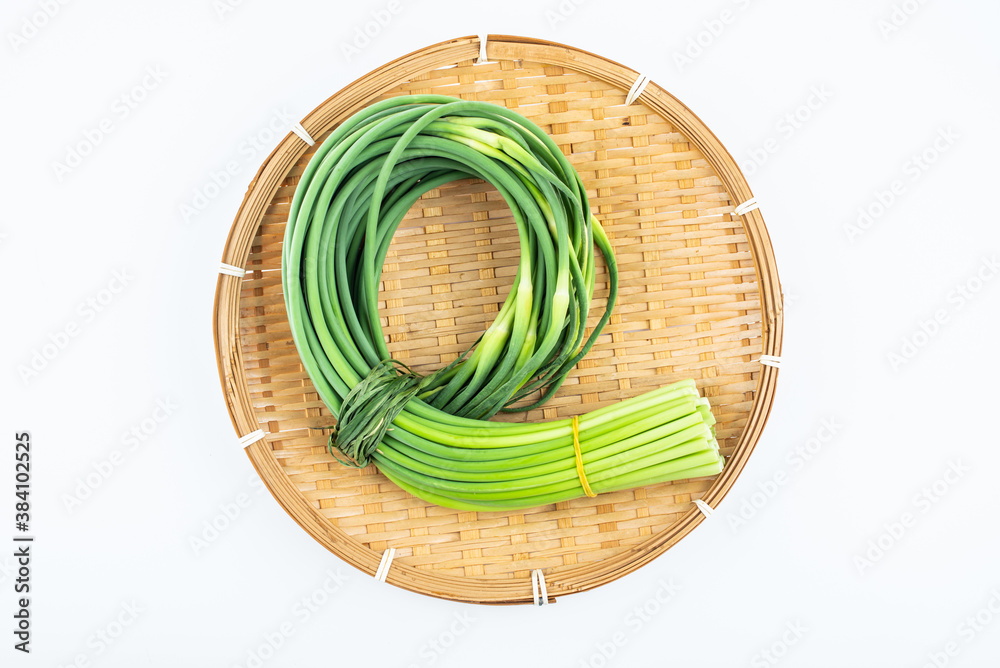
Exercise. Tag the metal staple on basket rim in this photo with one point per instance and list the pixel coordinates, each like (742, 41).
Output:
(251, 438)
(539, 590)
(773, 361)
(636, 90)
(232, 270)
(746, 207)
(705, 509)
(385, 564)
(483, 37)
(303, 134)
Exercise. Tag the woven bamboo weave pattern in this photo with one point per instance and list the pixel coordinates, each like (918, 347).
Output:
(690, 306)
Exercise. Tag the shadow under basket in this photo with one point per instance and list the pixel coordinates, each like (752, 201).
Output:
(699, 298)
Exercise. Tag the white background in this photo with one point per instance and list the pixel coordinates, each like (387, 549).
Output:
(853, 300)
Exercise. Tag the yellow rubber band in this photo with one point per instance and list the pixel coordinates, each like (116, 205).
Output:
(579, 458)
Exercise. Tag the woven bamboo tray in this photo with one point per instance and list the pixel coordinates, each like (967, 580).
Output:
(699, 298)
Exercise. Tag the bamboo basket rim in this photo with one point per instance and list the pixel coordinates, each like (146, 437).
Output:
(339, 106)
